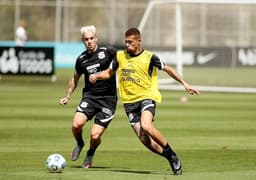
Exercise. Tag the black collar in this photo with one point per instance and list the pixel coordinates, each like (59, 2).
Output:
(134, 55)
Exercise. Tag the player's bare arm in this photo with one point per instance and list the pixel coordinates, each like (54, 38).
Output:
(172, 73)
(106, 74)
(71, 87)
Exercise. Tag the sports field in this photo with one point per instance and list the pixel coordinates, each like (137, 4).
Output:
(214, 134)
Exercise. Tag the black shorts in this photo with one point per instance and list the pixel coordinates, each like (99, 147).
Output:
(103, 108)
(133, 110)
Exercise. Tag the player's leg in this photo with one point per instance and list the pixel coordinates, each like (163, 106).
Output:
(141, 116)
(105, 113)
(148, 126)
(134, 113)
(155, 134)
(150, 143)
(96, 133)
(146, 139)
(79, 121)
(147, 115)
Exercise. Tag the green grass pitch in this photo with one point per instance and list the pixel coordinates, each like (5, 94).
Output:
(214, 135)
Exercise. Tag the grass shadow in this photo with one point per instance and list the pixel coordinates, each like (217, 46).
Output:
(119, 170)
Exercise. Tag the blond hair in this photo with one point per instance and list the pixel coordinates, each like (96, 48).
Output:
(85, 29)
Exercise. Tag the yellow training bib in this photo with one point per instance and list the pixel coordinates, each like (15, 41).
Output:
(135, 82)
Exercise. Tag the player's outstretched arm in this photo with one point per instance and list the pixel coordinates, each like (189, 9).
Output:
(71, 87)
(172, 73)
(106, 74)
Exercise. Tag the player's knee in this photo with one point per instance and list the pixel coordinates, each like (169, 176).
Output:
(95, 136)
(79, 121)
(77, 124)
(146, 127)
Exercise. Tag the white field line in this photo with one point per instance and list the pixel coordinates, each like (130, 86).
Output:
(211, 88)
(171, 84)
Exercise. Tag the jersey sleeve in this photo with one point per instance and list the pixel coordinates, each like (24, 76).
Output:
(78, 69)
(114, 64)
(112, 51)
(155, 61)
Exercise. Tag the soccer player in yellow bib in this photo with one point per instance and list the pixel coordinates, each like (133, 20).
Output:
(138, 88)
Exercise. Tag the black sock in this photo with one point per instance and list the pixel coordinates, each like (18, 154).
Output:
(90, 152)
(80, 142)
(167, 151)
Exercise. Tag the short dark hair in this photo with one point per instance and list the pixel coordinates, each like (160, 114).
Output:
(132, 31)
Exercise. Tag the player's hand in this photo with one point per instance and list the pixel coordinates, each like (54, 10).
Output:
(191, 90)
(64, 101)
(93, 78)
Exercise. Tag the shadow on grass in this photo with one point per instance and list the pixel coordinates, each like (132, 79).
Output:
(98, 167)
(112, 169)
(132, 171)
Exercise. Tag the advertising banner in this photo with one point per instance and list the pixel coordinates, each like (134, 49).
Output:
(27, 60)
(43, 57)
(193, 56)
(211, 56)
(246, 56)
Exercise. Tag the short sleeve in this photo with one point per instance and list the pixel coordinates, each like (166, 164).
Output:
(114, 64)
(112, 51)
(78, 69)
(155, 61)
